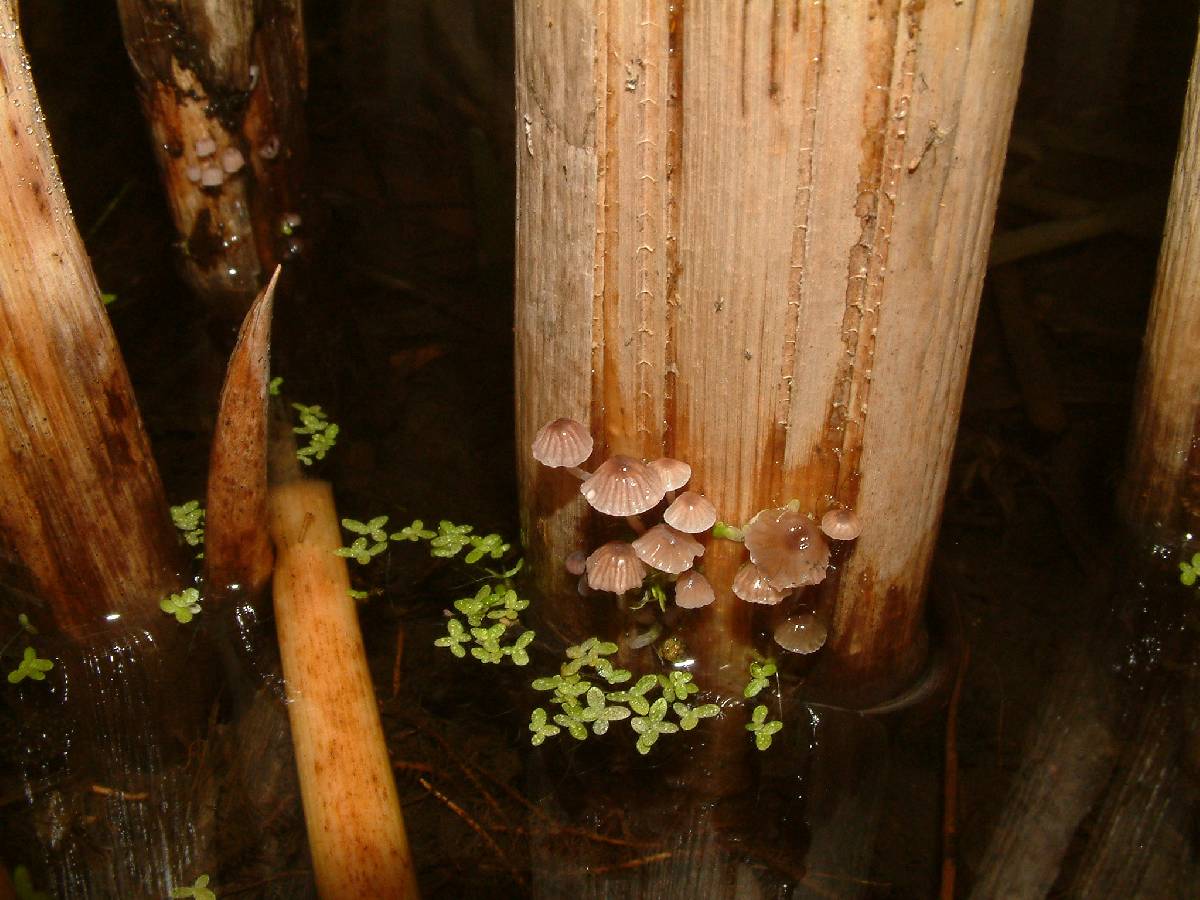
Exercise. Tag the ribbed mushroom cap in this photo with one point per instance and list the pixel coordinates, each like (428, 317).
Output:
(668, 550)
(615, 567)
(752, 585)
(691, 512)
(801, 634)
(787, 547)
(674, 473)
(692, 591)
(623, 486)
(576, 562)
(841, 524)
(563, 442)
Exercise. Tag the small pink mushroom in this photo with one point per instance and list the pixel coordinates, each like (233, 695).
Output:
(563, 443)
(804, 633)
(693, 591)
(211, 176)
(673, 473)
(205, 147)
(623, 486)
(615, 567)
(691, 512)
(232, 160)
(841, 524)
(576, 562)
(787, 547)
(668, 550)
(752, 585)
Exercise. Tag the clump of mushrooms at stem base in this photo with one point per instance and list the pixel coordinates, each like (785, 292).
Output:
(787, 550)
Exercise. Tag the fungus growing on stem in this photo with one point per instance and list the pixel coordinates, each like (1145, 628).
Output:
(693, 591)
(804, 633)
(691, 512)
(752, 585)
(841, 524)
(623, 486)
(787, 547)
(668, 550)
(615, 567)
(563, 444)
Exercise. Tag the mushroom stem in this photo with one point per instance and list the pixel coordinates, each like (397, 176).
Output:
(635, 522)
(579, 473)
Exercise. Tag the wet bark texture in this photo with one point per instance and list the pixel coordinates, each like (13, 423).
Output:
(233, 72)
(81, 505)
(752, 236)
(1162, 488)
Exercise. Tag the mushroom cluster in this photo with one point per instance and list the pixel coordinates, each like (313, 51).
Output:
(788, 550)
(628, 488)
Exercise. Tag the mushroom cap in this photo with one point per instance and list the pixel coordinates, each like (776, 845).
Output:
(576, 562)
(804, 633)
(841, 524)
(623, 486)
(668, 550)
(692, 591)
(674, 473)
(232, 160)
(691, 512)
(786, 545)
(563, 442)
(752, 585)
(615, 567)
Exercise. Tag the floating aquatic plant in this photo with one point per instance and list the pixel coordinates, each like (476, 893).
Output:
(763, 729)
(31, 666)
(1189, 571)
(199, 890)
(189, 519)
(183, 606)
(760, 674)
(322, 434)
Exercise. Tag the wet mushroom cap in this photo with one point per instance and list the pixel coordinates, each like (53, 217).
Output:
(674, 473)
(752, 585)
(615, 567)
(693, 591)
(801, 634)
(691, 512)
(841, 524)
(787, 546)
(668, 550)
(563, 442)
(623, 486)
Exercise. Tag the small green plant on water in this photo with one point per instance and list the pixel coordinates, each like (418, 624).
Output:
(183, 606)
(762, 729)
(23, 885)
(1189, 572)
(492, 631)
(31, 666)
(188, 518)
(586, 692)
(199, 890)
(761, 672)
(322, 434)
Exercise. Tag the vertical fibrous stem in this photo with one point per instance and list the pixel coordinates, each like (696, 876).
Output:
(222, 85)
(237, 549)
(780, 213)
(81, 503)
(355, 829)
(1162, 487)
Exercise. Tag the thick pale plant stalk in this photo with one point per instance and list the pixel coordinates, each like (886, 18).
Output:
(752, 236)
(1161, 494)
(237, 547)
(81, 504)
(355, 829)
(222, 81)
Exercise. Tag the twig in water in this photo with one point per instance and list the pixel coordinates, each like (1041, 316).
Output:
(476, 827)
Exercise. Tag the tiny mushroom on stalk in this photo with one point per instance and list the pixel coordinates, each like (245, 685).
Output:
(563, 443)
(674, 473)
(615, 567)
(841, 524)
(668, 550)
(205, 147)
(576, 562)
(752, 585)
(232, 160)
(804, 633)
(786, 545)
(623, 486)
(692, 591)
(691, 512)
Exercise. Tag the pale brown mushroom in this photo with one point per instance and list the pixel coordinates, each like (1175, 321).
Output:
(576, 562)
(693, 591)
(752, 585)
(691, 512)
(563, 443)
(841, 524)
(623, 486)
(668, 550)
(787, 546)
(804, 633)
(615, 567)
(674, 473)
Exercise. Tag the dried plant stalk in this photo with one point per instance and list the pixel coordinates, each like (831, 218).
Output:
(237, 549)
(752, 237)
(355, 829)
(219, 78)
(81, 504)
